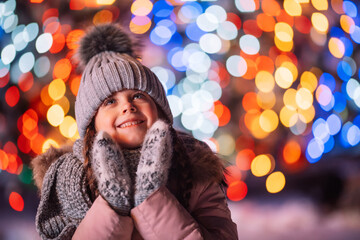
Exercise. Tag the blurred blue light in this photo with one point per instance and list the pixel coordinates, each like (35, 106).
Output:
(334, 124)
(353, 135)
(343, 136)
(340, 102)
(357, 121)
(191, 10)
(337, 32)
(26, 62)
(328, 80)
(344, 70)
(329, 144)
(350, 8)
(320, 129)
(175, 58)
(314, 150)
(348, 46)
(160, 35)
(168, 24)
(162, 9)
(193, 32)
(355, 35)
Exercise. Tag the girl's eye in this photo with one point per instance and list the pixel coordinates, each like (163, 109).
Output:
(138, 96)
(109, 101)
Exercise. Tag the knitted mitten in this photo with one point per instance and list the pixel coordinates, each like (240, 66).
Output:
(109, 167)
(155, 161)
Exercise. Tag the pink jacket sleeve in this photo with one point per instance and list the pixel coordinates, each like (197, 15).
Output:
(102, 222)
(161, 216)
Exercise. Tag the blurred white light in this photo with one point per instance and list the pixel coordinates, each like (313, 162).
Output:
(10, 23)
(199, 62)
(245, 5)
(202, 100)
(30, 32)
(8, 54)
(249, 44)
(175, 105)
(44, 42)
(207, 22)
(26, 62)
(236, 65)
(166, 77)
(227, 30)
(210, 43)
(191, 119)
(42, 66)
(218, 11)
(213, 88)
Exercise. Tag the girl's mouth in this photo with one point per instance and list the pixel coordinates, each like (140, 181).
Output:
(131, 123)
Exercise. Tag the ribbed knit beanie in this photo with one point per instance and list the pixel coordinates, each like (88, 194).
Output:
(110, 63)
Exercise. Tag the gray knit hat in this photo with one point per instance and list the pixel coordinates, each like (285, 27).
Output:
(107, 53)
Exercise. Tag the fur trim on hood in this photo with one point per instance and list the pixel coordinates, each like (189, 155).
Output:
(206, 166)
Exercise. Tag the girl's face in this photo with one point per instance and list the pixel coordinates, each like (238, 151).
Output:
(126, 116)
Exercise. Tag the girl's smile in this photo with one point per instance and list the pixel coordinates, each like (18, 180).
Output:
(126, 116)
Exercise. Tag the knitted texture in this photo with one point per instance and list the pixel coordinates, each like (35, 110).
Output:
(155, 161)
(110, 171)
(64, 200)
(108, 72)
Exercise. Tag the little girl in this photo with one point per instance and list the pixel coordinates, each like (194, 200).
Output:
(130, 175)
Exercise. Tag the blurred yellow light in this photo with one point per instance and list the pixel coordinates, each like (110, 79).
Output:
(266, 100)
(68, 127)
(269, 120)
(105, 2)
(49, 143)
(320, 22)
(289, 98)
(64, 103)
(256, 129)
(292, 7)
(141, 7)
(44, 95)
(284, 32)
(347, 23)
(283, 77)
(304, 98)
(320, 5)
(303, 1)
(283, 46)
(307, 115)
(336, 47)
(140, 28)
(275, 182)
(308, 80)
(264, 81)
(288, 116)
(226, 144)
(57, 89)
(261, 165)
(55, 115)
(103, 16)
(293, 69)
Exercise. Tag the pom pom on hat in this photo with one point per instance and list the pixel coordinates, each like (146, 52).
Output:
(107, 54)
(105, 37)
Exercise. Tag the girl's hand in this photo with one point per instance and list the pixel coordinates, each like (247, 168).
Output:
(109, 166)
(155, 161)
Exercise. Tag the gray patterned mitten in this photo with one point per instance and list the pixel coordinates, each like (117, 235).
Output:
(155, 161)
(109, 167)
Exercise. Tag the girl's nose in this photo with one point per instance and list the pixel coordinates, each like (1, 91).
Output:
(128, 107)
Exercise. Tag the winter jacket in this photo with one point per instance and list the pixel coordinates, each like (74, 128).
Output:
(66, 211)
